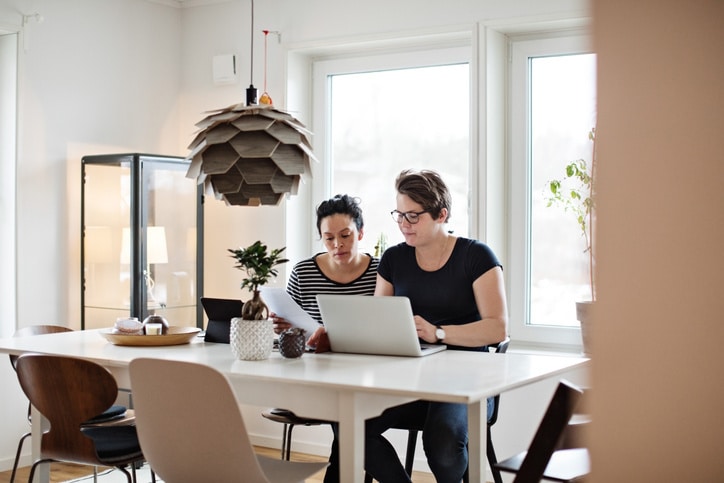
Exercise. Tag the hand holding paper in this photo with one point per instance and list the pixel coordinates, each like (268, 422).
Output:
(282, 304)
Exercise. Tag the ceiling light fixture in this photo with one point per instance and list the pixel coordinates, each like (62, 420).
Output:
(253, 154)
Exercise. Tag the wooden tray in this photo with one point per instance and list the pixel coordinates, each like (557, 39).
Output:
(175, 336)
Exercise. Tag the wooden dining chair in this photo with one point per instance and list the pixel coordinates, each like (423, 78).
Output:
(544, 460)
(499, 348)
(69, 392)
(113, 413)
(191, 427)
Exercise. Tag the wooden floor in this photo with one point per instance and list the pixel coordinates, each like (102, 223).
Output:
(66, 471)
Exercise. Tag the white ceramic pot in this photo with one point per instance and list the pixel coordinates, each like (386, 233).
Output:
(251, 340)
(584, 314)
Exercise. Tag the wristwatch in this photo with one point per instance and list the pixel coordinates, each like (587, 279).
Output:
(440, 333)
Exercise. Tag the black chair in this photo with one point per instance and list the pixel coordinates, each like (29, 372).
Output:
(500, 348)
(111, 414)
(544, 460)
(69, 392)
(289, 420)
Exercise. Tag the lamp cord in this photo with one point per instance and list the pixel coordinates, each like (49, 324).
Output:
(251, 79)
(266, 34)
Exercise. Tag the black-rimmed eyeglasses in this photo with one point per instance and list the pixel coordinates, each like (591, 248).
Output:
(412, 217)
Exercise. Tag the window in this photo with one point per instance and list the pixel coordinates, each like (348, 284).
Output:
(496, 173)
(388, 113)
(553, 95)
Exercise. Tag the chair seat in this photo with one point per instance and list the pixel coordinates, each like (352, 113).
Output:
(114, 443)
(126, 419)
(565, 465)
(113, 413)
(288, 417)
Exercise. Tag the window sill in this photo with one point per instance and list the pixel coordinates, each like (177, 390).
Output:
(520, 347)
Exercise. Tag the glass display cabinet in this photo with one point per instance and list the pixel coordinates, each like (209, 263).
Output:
(141, 240)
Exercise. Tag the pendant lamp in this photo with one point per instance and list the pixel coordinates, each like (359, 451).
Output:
(253, 154)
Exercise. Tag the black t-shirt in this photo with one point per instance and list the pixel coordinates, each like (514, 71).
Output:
(444, 296)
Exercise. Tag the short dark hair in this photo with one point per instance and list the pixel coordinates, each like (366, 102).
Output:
(340, 205)
(425, 188)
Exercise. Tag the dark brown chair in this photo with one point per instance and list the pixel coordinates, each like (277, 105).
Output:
(499, 348)
(543, 460)
(69, 392)
(28, 331)
(113, 413)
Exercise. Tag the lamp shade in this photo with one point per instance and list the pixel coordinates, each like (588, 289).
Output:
(250, 155)
(156, 250)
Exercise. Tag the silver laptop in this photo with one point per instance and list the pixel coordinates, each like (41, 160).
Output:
(362, 324)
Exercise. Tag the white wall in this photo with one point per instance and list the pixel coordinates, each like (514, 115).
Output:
(94, 77)
(134, 76)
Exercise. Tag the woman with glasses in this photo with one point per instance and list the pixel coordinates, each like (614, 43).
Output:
(455, 286)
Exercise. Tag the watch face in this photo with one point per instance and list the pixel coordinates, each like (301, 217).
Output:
(440, 334)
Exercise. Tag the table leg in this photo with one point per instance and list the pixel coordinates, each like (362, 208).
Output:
(477, 439)
(351, 439)
(354, 408)
(37, 428)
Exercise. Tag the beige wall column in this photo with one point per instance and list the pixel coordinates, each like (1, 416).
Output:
(658, 395)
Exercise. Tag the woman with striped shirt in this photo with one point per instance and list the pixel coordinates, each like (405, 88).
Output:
(342, 269)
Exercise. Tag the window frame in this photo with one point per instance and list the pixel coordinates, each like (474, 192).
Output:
(521, 50)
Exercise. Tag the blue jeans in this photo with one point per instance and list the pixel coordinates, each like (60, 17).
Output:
(444, 438)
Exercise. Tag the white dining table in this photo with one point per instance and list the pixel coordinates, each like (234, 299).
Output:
(348, 388)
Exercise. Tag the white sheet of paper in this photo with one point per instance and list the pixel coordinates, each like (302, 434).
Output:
(282, 304)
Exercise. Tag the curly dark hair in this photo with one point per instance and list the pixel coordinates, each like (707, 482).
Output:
(425, 188)
(340, 205)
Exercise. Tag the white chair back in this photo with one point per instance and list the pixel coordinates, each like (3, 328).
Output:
(191, 428)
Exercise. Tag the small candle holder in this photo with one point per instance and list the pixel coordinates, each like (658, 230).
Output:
(292, 342)
(153, 328)
(154, 321)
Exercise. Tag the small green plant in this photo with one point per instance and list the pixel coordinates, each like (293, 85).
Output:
(258, 263)
(574, 193)
(381, 245)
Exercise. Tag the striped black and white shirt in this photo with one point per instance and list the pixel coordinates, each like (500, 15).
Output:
(307, 280)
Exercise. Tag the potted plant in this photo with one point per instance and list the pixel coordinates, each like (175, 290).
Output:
(251, 334)
(574, 192)
(258, 263)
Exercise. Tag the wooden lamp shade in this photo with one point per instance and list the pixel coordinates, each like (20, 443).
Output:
(250, 155)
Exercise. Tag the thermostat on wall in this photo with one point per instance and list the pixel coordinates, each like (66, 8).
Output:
(224, 69)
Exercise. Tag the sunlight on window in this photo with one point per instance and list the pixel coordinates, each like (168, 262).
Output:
(563, 111)
(385, 121)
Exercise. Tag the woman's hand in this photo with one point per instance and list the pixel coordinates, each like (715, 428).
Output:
(280, 324)
(319, 340)
(425, 330)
